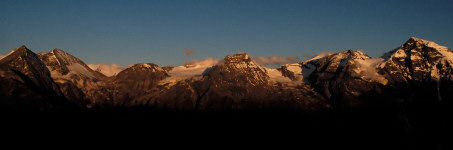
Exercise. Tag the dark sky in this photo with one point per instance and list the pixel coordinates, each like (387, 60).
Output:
(130, 31)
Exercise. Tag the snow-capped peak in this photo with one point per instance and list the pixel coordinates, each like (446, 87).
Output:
(320, 56)
(354, 62)
(416, 44)
(445, 51)
(416, 48)
(108, 70)
(12, 51)
(21, 48)
(238, 57)
(419, 59)
(241, 61)
(429, 43)
(149, 66)
(64, 65)
(239, 68)
(192, 69)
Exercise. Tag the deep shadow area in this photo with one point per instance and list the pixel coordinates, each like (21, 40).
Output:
(357, 129)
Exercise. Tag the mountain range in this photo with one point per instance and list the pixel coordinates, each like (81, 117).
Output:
(330, 80)
(413, 81)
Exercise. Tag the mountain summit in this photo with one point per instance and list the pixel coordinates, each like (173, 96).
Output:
(64, 64)
(27, 84)
(418, 59)
(238, 69)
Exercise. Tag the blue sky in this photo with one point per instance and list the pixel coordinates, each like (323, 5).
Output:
(157, 31)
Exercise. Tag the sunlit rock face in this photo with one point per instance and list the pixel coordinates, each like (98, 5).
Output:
(238, 69)
(291, 71)
(137, 84)
(238, 83)
(345, 78)
(420, 73)
(418, 60)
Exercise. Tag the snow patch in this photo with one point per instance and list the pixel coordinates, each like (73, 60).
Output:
(146, 65)
(445, 51)
(78, 68)
(274, 60)
(107, 70)
(295, 68)
(367, 68)
(320, 56)
(277, 76)
(191, 69)
(400, 54)
(75, 68)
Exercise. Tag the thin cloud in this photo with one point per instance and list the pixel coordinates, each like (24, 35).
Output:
(188, 51)
(306, 55)
(274, 60)
(321, 55)
(204, 62)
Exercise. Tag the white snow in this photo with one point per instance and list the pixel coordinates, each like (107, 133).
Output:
(146, 65)
(320, 56)
(400, 54)
(73, 69)
(183, 72)
(107, 70)
(301, 72)
(447, 54)
(295, 68)
(366, 67)
(54, 59)
(78, 68)
(445, 51)
(277, 76)
(191, 69)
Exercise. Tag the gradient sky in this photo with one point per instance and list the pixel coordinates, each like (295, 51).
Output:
(130, 31)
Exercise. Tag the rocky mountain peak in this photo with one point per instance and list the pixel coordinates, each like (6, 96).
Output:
(21, 58)
(420, 60)
(62, 64)
(238, 57)
(56, 50)
(240, 60)
(142, 69)
(19, 50)
(146, 66)
(239, 68)
(23, 65)
(419, 47)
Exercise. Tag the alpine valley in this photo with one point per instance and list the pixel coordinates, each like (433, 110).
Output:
(407, 91)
